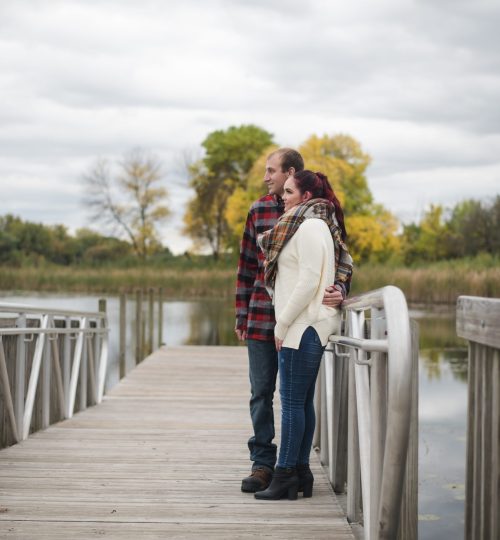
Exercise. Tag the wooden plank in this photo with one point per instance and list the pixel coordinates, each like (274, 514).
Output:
(162, 457)
(478, 320)
(154, 531)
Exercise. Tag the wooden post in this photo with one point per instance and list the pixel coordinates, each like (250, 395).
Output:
(478, 320)
(123, 335)
(143, 337)
(138, 325)
(160, 317)
(151, 306)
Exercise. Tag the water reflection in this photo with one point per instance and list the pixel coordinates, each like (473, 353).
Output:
(211, 323)
(442, 427)
(434, 361)
(437, 330)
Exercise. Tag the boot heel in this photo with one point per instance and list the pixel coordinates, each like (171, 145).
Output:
(308, 489)
(293, 493)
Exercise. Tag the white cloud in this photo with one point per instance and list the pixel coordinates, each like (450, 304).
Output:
(416, 82)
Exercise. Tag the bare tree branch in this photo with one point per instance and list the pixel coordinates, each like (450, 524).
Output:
(130, 202)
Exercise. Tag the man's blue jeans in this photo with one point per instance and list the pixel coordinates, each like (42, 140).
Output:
(298, 372)
(263, 369)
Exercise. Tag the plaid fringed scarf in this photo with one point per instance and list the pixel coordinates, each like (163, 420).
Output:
(273, 241)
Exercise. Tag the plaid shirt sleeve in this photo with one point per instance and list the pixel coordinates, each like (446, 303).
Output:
(343, 269)
(344, 286)
(247, 271)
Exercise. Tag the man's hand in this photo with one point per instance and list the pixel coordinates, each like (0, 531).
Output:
(241, 334)
(333, 297)
(278, 343)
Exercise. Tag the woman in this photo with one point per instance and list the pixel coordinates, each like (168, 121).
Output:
(300, 255)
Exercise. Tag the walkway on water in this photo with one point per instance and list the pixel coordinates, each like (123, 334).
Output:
(161, 457)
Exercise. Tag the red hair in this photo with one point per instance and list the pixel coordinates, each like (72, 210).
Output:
(320, 188)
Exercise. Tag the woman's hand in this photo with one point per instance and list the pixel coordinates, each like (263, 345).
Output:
(278, 342)
(332, 297)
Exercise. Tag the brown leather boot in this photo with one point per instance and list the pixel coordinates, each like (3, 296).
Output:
(259, 479)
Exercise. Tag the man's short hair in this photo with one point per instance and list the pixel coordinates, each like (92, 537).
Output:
(289, 158)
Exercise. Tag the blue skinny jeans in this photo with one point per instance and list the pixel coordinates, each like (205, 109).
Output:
(298, 369)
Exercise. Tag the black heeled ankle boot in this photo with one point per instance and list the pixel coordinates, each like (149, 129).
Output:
(285, 483)
(306, 479)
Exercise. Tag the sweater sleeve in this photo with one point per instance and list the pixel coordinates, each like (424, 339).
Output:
(311, 252)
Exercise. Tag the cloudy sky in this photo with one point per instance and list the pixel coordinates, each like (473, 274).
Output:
(416, 82)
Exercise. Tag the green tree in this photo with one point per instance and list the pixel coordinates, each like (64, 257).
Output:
(94, 249)
(426, 241)
(132, 202)
(229, 157)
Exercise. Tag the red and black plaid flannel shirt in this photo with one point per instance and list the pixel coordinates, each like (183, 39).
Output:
(254, 309)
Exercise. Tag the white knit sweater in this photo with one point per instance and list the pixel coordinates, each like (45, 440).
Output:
(305, 269)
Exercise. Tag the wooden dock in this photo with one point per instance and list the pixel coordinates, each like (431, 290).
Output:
(161, 457)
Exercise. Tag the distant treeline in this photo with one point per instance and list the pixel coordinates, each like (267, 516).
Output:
(469, 229)
(23, 243)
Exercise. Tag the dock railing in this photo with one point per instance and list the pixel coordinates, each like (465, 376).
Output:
(478, 321)
(367, 409)
(52, 364)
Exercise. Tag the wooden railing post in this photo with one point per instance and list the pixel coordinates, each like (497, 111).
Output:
(151, 306)
(478, 321)
(160, 317)
(123, 335)
(138, 326)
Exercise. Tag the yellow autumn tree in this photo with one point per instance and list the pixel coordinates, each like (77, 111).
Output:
(342, 159)
(372, 229)
(373, 237)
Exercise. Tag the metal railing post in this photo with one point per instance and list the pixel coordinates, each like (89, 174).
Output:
(52, 387)
(381, 388)
(20, 382)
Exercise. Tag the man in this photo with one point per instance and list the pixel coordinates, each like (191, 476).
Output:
(255, 316)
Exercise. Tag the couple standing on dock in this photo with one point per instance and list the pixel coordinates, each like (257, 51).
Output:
(294, 272)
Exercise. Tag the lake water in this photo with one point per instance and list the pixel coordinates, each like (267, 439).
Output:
(442, 390)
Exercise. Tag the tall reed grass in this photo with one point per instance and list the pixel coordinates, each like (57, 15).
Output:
(439, 283)
(175, 283)
(436, 284)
